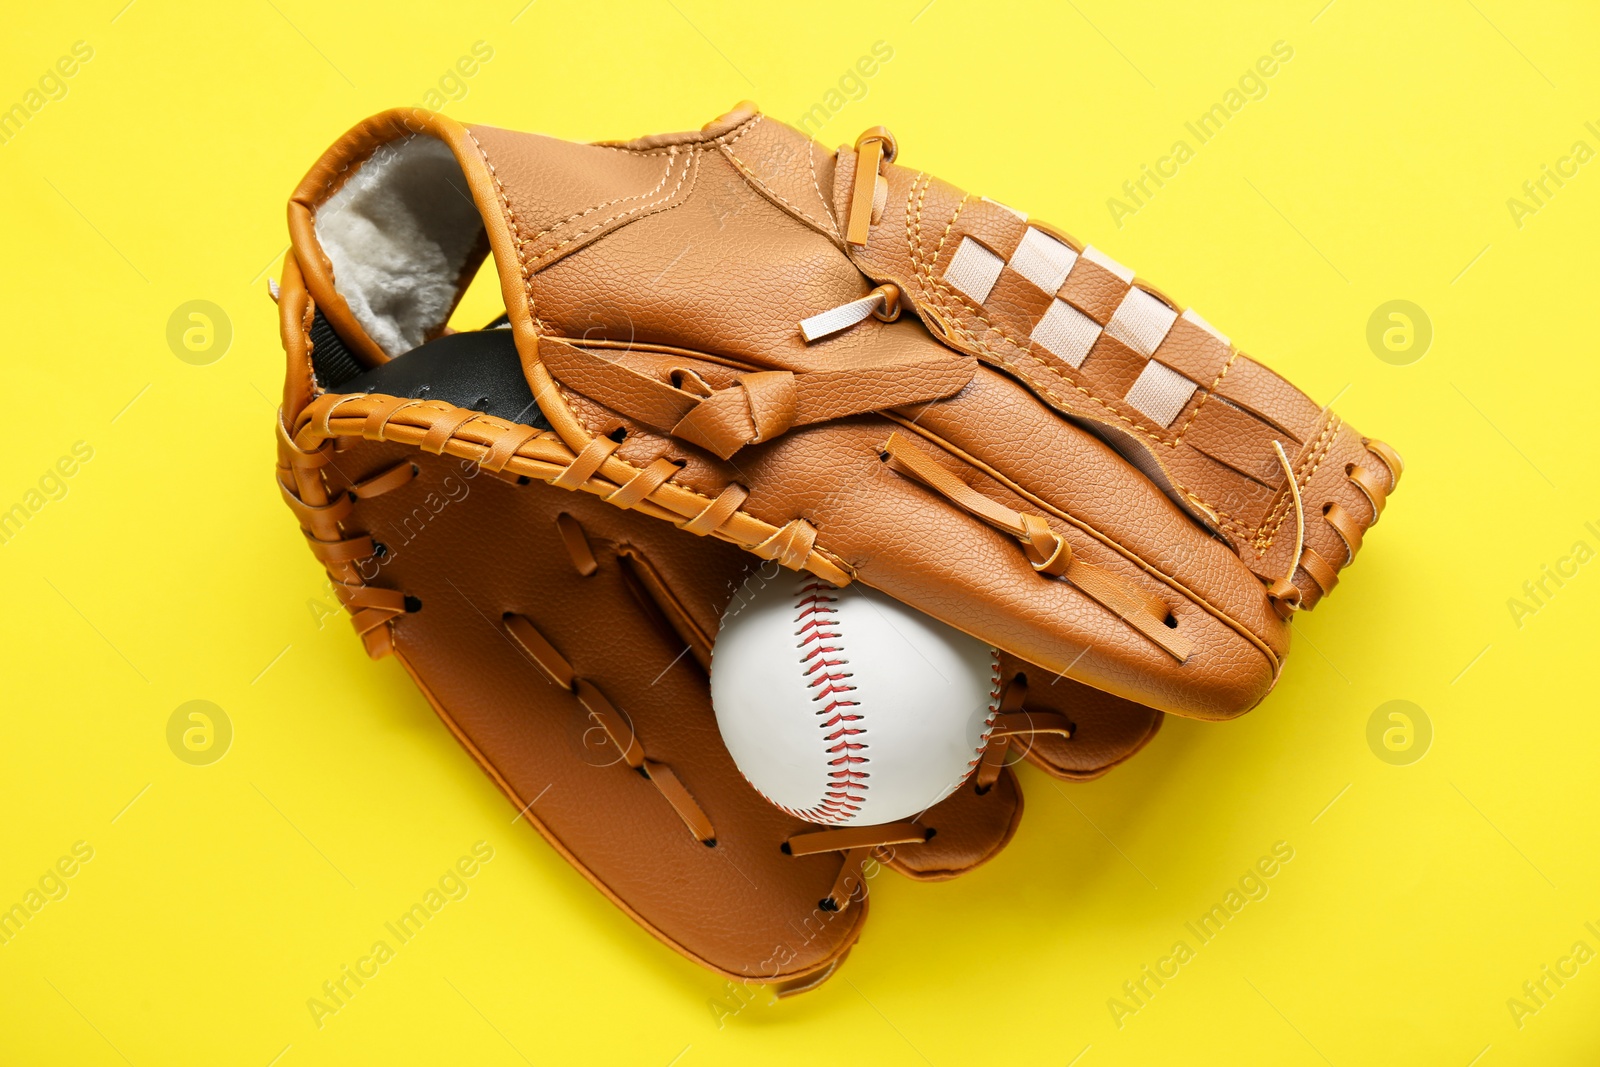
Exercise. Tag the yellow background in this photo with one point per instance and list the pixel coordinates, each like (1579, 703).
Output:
(219, 898)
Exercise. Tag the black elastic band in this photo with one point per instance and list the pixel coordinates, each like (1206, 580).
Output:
(331, 361)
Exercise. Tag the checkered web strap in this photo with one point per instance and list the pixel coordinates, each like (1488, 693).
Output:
(1140, 321)
(1282, 479)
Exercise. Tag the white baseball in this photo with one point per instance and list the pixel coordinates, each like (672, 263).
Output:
(844, 706)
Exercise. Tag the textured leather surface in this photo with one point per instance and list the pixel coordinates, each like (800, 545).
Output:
(706, 249)
(464, 547)
(894, 533)
(1109, 729)
(1215, 455)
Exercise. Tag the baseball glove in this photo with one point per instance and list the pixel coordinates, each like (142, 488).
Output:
(855, 369)
(564, 642)
(815, 359)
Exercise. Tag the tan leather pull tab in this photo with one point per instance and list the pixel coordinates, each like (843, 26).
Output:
(873, 148)
(1046, 550)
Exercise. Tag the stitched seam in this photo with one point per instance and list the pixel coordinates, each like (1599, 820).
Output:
(665, 174)
(744, 169)
(732, 137)
(664, 150)
(945, 236)
(689, 167)
(511, 217)
(914, 214)
(735, 133)
(1210, 391)
(818, 622)
(811, 158)
(1275, 519)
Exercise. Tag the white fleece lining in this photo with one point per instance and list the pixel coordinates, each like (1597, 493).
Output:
(398, 234)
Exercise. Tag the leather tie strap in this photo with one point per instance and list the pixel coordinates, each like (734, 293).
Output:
(642, 484)
(618, 730)
(577, 545)
(873, 148)
(1391, 459)
(1346, 527)
(693, 815)
(858, 843)
(1046, 549)
(1377, 492)
(760, 405)
(385, 480)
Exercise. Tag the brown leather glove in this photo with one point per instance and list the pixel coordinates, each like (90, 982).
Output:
(880, 380)
(565, 641)
(1037, 450)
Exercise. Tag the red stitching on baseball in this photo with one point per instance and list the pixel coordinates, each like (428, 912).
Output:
(825, 673)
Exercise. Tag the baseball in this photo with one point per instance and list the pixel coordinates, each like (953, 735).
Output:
(844, 706)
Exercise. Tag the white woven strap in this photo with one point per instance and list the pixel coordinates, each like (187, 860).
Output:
(827, 323)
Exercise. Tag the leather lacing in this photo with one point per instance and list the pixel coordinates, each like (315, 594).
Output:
(516, 451)
(756, 405)
(1285, 596)
(1016, 721)
(1047, 550)
(618, 730)
(321, 513)
(858, 843)
(304, 486)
